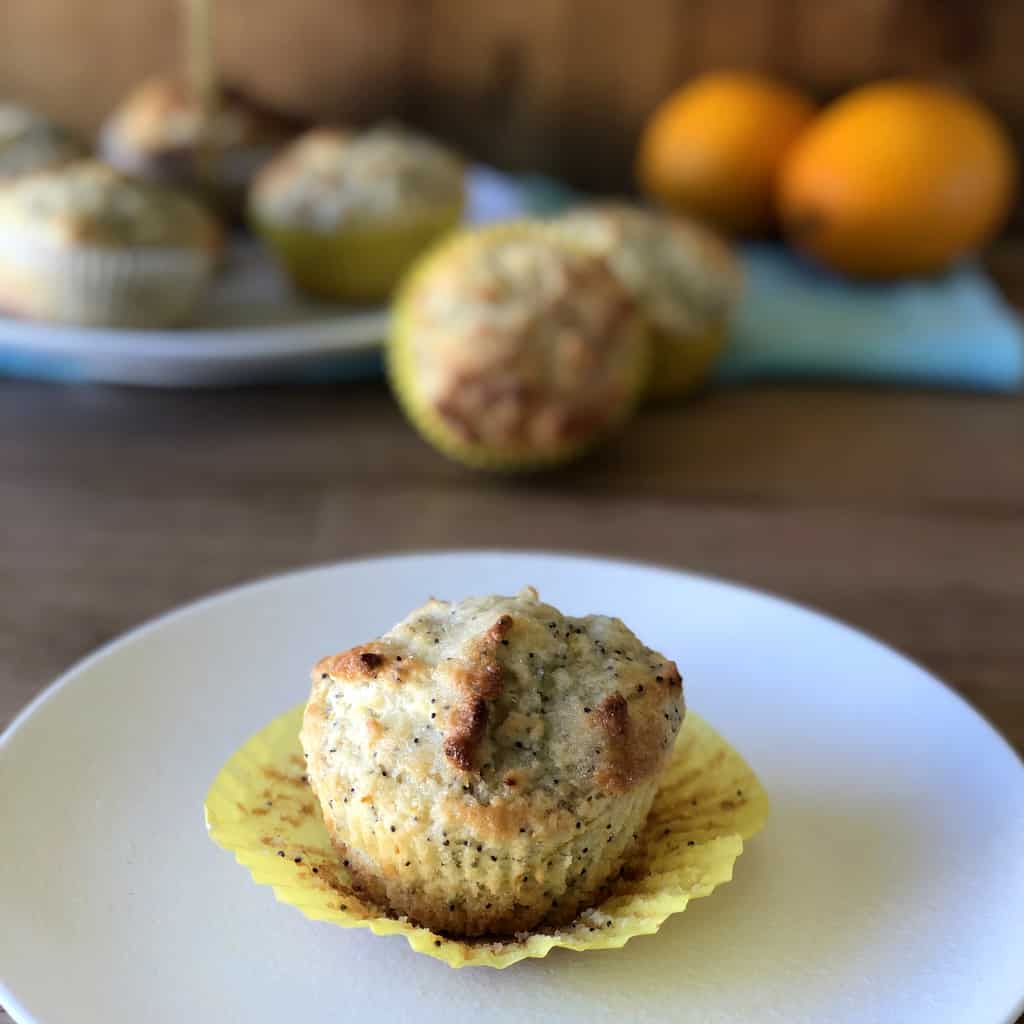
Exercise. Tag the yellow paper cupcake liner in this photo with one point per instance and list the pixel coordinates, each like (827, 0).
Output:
(355, 264)
(261, 808)
(401, 367)
(681, 365)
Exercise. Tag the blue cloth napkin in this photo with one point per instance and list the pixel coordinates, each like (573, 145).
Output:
(955, 331)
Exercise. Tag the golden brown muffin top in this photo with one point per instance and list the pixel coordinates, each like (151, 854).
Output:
(497, 713)
(162, 115)
(683, 275)
(329, 178)
(89, 203)
(520, 338)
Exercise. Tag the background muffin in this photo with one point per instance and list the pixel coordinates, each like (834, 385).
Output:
(514, 347)
(483, 767)
(86, 245)
(348, 213)
(685, 279)
(31, 142)
(161, 132)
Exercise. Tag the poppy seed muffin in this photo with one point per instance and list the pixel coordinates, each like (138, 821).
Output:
(484, 767)
(161, 132)
(684, 278)
(347, 213)
(513, 347)
(83, 244)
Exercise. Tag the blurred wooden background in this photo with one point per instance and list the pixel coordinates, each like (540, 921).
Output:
(556, 85)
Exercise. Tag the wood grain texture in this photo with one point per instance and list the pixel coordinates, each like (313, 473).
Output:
(555, 85)
(903, 513)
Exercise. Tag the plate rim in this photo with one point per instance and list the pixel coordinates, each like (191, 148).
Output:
(17, 1011)
(335, 333)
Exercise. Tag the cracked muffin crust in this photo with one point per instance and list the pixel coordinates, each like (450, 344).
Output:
(330, 179)
(88, 203)
(514, 346)
(682, 274)
(684, 278)
(484, 767)
(161, 132)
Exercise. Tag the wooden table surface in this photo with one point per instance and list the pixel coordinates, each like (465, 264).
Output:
(901, 512)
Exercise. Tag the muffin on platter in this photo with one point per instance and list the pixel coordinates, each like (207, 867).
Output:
(347, 213)
(684, 278)
(515, 347)
(84, 244)
(161, 132)
(485, 767)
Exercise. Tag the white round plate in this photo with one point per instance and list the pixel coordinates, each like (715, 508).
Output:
(888, 885)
